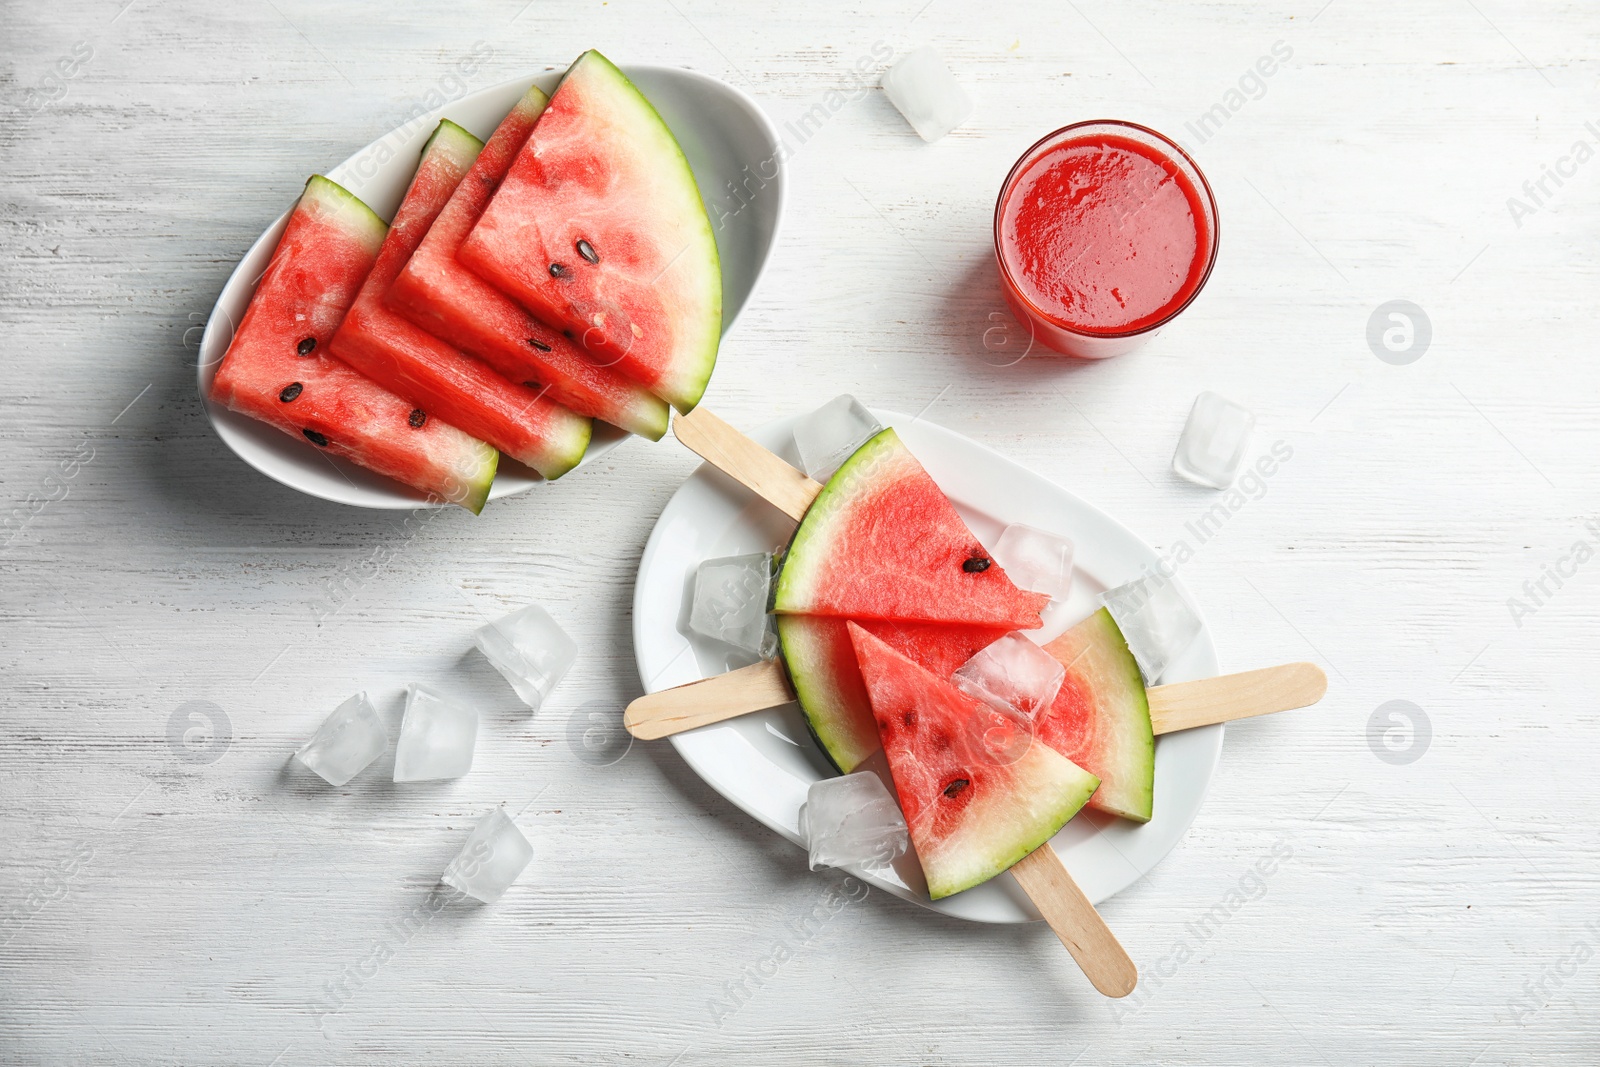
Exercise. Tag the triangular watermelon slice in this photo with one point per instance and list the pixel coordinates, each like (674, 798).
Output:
(973, 807)
(882, 541)
(278, 370)
(437, 293)
(434, 375)
(599, 228)
(827, 681)
(1101, 718)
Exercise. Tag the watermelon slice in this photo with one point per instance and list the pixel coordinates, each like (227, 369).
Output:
(822, 669)
(599, 228)
(443, 297)
(973, 808)
(277, 368)
(518, 420)
(1101, 718)
(882, 541)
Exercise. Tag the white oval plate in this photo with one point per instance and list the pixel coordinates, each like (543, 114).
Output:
(765, 762)
(722, 130)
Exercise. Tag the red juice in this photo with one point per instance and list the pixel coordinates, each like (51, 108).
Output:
(1104, 231)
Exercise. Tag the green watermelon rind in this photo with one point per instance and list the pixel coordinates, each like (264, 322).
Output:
(333, 202)
(797, 580)
(1138, 803)
(574, 445)
(476, 483)
(805, 679)
(448, 131)
(688, 384)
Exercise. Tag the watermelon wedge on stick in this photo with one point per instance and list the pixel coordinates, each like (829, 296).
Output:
(882, 541)
(519, 420)
(599, 229)
(838, 712)
(1039, 871)
(975, 803)
(278, 370)
(980, 798)
(437, 293)
(1100, 719)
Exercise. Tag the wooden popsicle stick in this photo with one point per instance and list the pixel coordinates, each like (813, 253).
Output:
(671, 711)
(1181, 706)
(737, 456)
(1068, 911)
(1185, 705)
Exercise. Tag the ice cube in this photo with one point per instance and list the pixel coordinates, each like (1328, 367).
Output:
(1012, 675)
(437, 737)
(730, 602)
(494, 855)
(530, 650)
(1213, 441)
(831, 434)
(1155, 620)
(852, 822)
(348, 740)
(1036, 560)
(922, 88)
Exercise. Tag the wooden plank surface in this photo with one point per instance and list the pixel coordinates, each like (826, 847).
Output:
(1370, 882)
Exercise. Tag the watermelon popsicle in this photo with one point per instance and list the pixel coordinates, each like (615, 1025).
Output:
(939, 646)
(980, 798)
(881, 541)
(767, 684)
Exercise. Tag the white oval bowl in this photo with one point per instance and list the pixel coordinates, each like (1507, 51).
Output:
(726, 137)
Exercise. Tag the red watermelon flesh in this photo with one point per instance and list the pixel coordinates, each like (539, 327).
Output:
(599, 228)
(277, 368)
(827, 681)
(437, 377)
(974, 806)
(882, 541)
(1101, 717)
(437, 293)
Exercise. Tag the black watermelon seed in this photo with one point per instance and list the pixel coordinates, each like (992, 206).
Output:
(418, 417)
(909, 718)
(540, 345)
(315, 438)
(976, 565)
(559, 270)
(306, 346)
(586, 250)
(568, 335)
(955, 787)
(290, 391)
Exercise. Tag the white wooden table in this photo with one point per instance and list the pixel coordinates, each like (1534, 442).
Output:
(194, 899)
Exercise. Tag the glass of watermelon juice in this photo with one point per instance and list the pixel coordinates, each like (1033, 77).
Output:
(1104, 232)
